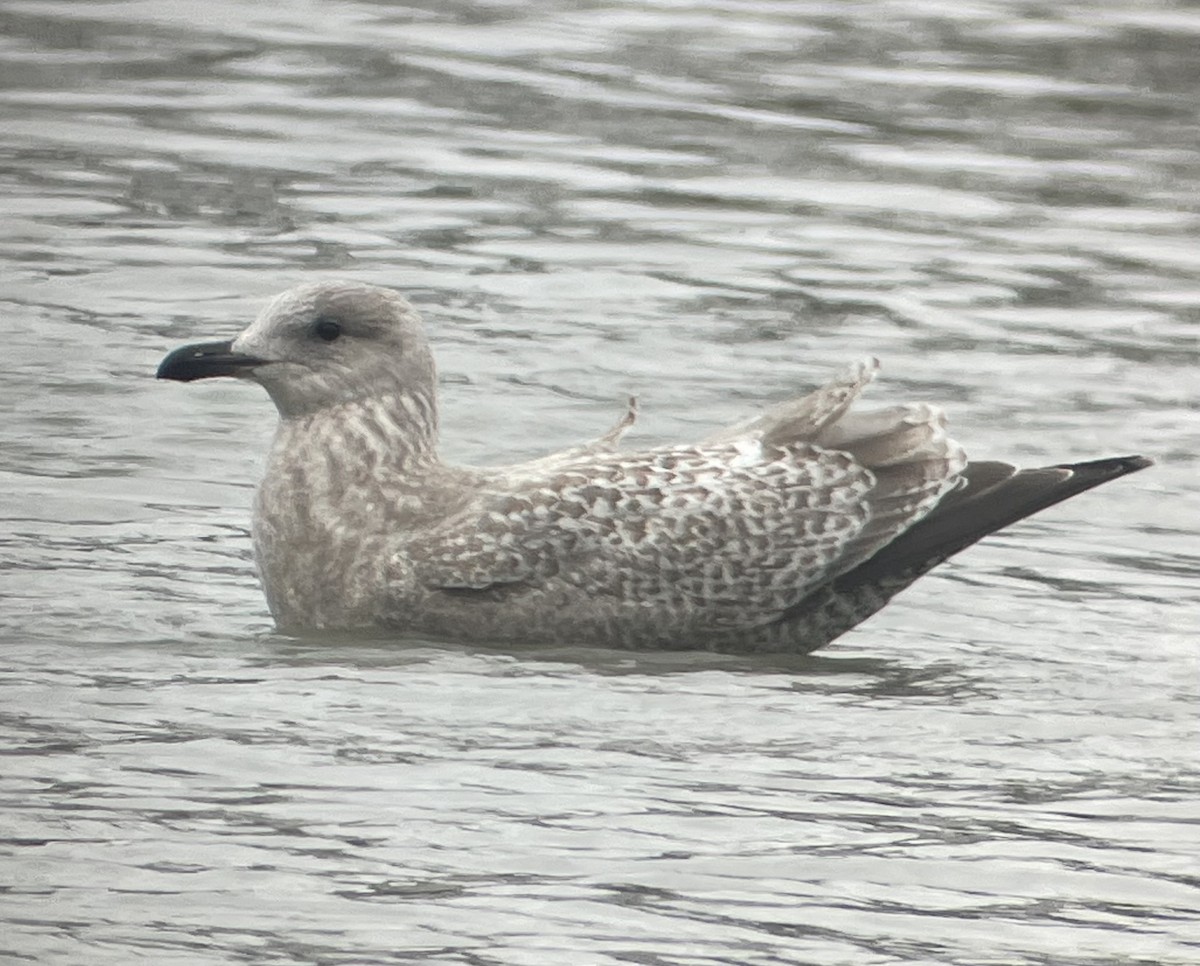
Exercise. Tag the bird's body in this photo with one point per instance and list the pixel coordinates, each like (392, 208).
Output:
(778, 534)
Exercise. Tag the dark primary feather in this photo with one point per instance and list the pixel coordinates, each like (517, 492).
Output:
(994, 496)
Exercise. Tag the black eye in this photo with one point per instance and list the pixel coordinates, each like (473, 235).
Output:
(327, 329)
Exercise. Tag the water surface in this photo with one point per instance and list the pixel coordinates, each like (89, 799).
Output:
(706, 205)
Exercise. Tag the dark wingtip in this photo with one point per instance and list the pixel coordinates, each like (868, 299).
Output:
(996, 500)
(1108, 469)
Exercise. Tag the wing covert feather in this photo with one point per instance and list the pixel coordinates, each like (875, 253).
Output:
(735, 530)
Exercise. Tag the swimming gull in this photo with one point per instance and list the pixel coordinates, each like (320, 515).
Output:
(777, 534)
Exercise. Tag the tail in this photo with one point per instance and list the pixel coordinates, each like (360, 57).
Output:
(995, 495)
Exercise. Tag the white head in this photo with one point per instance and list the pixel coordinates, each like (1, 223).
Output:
(318, 346)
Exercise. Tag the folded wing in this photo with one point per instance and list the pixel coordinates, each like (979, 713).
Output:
(727, 534)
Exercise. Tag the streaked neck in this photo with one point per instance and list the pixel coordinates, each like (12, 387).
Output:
(384, 434)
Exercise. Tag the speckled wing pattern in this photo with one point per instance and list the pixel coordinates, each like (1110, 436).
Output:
(688, 529)
(725, 535)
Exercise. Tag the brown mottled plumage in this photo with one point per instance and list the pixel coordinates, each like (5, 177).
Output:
(776, 534)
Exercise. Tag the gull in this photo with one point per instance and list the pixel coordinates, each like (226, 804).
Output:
(777, 534)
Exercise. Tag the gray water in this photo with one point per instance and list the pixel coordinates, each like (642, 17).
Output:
(709, 205)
